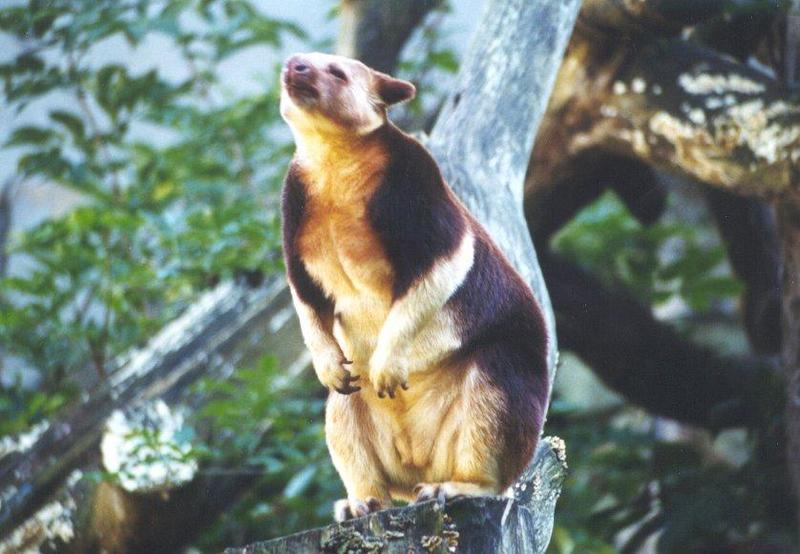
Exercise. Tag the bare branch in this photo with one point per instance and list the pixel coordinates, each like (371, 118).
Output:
(650, 363)
(485, 132)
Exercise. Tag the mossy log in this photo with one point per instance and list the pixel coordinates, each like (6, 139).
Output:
(519, 524)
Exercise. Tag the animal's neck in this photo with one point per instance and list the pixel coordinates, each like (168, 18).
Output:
(338, 168)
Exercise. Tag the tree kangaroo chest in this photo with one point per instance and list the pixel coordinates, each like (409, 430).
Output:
(344, 256)
(342, 252)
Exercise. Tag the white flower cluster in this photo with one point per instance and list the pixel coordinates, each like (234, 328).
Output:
(148, 450)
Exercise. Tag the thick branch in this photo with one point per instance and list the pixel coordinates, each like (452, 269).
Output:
(486, 524)
(647, 361)
(748, 229)
(677, 106)
(663, 17)
(590, 174)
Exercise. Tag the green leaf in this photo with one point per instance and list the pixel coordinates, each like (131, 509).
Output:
(298, 484)
(71, 122)
(30, 135)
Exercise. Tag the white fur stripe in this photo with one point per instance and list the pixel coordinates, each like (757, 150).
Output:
(428, 295)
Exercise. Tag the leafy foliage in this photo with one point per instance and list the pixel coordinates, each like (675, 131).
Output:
(656, 263)
(626, 484)
(272, 427)
(177, 178)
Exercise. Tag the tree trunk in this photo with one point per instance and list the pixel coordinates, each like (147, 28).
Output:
(518, 525)
(375, 31)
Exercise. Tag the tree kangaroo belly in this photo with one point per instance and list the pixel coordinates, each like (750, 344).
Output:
(416, 437)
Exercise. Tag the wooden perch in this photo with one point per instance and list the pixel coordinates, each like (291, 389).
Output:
(45, 496)
(518, 525)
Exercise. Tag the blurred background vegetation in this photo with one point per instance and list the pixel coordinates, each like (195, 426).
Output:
(158, 176)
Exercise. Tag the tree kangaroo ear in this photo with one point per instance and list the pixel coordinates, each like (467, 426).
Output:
(393, 91)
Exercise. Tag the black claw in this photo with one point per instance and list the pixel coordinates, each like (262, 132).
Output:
(347, 389)
(373, 504)
(391, 392)
(381, 394)
(404, 386)
(347, 362)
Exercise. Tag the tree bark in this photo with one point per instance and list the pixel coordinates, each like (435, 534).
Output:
(518, 525)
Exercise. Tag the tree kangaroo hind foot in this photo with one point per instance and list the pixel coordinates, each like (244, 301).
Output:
(344, 509)
(448, 490)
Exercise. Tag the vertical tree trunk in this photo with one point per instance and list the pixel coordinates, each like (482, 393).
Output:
(789, 220)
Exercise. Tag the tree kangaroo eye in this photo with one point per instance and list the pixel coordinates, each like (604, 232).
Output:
(338, 73)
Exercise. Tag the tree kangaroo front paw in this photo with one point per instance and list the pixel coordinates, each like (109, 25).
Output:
(332, 372)
(345, 509)
(387, 374)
